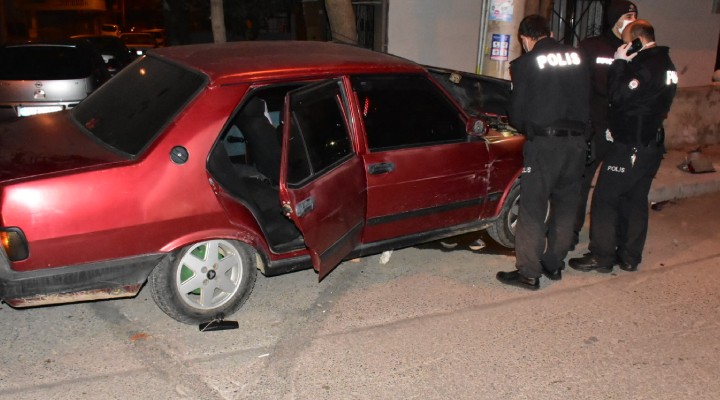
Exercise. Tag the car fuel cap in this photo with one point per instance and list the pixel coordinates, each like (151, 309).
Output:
(179, 155)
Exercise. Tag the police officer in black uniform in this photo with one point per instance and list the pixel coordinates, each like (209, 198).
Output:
(641, 88)
(550, 105)
(599, 52)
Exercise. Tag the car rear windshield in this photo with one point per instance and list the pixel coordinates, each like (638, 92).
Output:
(131, 109)
(46, 62)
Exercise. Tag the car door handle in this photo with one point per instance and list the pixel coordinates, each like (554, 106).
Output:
(381, 168)
(304, 206)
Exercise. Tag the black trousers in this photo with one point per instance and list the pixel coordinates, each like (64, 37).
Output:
(619, 212)
(602, 146)
(551, 177)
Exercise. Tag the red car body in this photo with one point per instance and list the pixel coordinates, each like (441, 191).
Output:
(89, 213)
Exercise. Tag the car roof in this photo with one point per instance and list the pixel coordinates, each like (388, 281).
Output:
(257, 60)
(39, 43)
(80, 44)
(97, 37)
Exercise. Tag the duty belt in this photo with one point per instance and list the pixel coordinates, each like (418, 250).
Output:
(553, 132)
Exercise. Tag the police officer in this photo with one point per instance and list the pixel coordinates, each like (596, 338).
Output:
(550, 105)
(599, 52)
(641, 88)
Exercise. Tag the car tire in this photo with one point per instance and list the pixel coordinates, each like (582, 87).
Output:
(503, 229)
(205, 281)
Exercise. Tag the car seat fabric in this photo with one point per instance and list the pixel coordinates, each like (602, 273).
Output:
(263, 145)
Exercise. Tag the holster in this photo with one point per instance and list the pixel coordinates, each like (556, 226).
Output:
(590, 151)
(590, 141)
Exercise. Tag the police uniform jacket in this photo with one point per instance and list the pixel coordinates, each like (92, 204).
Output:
(599, 51)
(551, 89)
(640, 93)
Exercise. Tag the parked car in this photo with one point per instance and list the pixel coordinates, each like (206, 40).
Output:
(158, 34)
(110, 30)
(112, 49)
(139, 42)
(347, 152)
(41, 77)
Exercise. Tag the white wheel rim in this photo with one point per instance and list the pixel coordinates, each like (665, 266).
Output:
(209, 274)
(512, 215)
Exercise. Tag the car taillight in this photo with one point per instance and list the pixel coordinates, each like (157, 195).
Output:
(14, 242)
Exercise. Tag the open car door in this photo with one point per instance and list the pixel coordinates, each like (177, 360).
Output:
(322, 179)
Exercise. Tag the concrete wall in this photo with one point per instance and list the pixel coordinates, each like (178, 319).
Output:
(694, 119)
(691, 31)
(446, 33)
(434, 32)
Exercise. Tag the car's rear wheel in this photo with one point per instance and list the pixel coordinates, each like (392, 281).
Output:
(206, 280)
(503, 229)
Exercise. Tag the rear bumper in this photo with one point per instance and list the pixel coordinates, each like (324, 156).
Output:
(8, 110)
(7, 113)
(108, 279)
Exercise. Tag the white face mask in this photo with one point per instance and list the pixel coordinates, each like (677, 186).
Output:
(624, 24)
(525, 46)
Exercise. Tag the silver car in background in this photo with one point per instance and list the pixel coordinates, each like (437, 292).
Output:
(42, 77)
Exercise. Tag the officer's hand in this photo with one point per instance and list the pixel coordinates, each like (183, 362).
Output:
(621, 53)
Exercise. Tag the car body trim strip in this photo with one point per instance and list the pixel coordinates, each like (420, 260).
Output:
(425, 211)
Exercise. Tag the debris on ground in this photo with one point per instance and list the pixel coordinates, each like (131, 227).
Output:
(659, 205)
(696, 163)
(448, 245)
(385, 256)
(477, 245)
(139, 336)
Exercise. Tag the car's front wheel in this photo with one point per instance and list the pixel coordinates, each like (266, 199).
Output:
(206, 280)
(503, 229)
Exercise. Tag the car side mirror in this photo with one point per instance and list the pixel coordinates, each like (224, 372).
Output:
(477, 127)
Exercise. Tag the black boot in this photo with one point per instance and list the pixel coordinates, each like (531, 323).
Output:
(629, 267)
(515, 278)
(555, 275)
(590, 262)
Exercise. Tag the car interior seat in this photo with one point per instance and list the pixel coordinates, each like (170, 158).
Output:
(263, 146)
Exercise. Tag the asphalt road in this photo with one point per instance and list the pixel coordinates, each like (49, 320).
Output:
(428, 324)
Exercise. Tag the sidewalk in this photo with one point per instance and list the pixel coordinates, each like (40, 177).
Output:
(672, 183)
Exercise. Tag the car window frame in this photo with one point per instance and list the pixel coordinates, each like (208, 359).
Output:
(498, 103)
(345, 107)
(172, 117)
(437, 91)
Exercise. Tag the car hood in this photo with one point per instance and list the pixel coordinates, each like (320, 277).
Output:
(47, 144)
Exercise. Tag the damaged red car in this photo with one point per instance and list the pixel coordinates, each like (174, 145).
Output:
(197, 166)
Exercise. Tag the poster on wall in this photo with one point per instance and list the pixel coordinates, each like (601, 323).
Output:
(499, 51)
(501, 10)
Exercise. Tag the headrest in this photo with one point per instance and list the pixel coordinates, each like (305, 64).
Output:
(255, 107)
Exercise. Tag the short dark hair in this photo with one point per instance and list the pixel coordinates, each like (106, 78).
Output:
(642, 28)
(534, 26)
